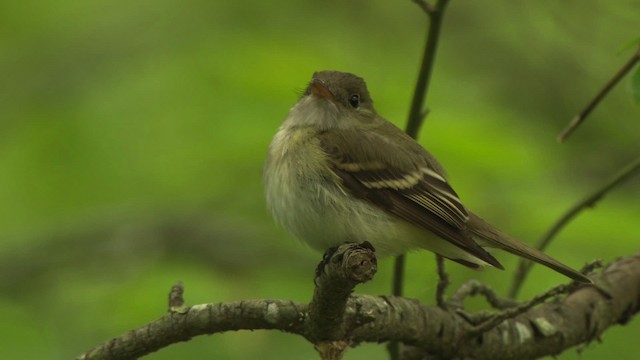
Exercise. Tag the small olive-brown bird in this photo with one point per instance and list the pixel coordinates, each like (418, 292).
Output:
(337, 172)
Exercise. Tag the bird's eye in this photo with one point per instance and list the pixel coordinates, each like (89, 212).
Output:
(354, 100)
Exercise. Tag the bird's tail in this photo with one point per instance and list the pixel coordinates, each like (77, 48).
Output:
(492, 237)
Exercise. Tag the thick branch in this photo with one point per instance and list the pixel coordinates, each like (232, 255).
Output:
(545, 330)
(349, 265)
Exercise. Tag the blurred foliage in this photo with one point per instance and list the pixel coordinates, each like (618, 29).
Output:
(635, 84)
(132, 136)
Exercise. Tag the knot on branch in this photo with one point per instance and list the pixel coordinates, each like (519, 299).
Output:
(348, 264)
(358, 262)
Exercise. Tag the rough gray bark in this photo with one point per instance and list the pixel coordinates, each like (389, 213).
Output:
(548, 329)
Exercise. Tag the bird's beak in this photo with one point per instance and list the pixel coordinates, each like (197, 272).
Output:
(319, 89)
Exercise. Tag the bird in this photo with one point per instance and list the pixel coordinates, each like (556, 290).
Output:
(338, 172)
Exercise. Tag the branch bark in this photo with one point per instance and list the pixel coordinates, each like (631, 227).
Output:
(548, 329)
(338, 274)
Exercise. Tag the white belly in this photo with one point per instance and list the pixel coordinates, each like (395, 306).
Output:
(305, 197)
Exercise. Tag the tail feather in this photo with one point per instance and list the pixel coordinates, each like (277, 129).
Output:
(493, 237)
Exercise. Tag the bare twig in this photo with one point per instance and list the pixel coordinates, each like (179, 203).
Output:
(393, 347)
(428, 8)
(417, 114)
(443, 282)
(397, 290)
(398, 276)
(578, 119)
(524, 265)
(522, 308)
(417, 111)
(436, 14)
(474, 287)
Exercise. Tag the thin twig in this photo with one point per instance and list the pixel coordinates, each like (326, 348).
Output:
(578, 119)
(522, 308)
(417, 111)
(474, 287)
(415, 120)
(398, 275)
(443, 282)
(428, 8)
(417, 114)
(524, 266)
(397, 287)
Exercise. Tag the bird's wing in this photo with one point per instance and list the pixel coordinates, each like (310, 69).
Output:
(409, 184)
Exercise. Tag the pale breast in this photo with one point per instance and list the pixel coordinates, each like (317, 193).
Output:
(307, 199)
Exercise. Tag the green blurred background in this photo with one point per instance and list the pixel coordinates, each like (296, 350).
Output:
(132, 136)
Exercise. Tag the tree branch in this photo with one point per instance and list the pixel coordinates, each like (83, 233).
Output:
(349, 265)
(545, 330)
